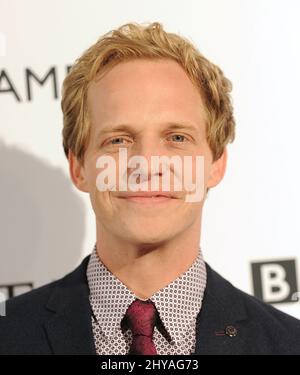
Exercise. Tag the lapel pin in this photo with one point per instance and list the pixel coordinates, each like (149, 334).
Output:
(231, 331)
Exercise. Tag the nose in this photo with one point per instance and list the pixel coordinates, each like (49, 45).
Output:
(147, 147)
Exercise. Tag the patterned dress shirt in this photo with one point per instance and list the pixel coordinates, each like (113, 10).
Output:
(178, 305)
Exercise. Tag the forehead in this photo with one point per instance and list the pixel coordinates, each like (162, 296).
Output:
(142, 89)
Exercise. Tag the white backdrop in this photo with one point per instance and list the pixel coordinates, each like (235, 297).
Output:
(46, 226)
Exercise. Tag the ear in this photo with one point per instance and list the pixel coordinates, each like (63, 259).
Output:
(77, 173)
(217, 170)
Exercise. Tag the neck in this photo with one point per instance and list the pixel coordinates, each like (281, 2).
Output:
(147, 269)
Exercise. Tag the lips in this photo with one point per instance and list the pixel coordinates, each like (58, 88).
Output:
(148, 197)
(147, 194)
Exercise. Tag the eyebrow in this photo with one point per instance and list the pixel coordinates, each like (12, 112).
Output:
(175, 126)
(130, 128)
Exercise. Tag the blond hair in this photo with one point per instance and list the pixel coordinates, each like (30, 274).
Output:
(133, 41)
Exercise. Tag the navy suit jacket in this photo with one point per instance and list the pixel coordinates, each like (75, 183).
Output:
(56, 319)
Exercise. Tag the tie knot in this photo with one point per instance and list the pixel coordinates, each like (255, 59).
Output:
(141, 317)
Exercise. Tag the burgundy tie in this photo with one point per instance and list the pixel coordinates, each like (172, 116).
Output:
(141, 317)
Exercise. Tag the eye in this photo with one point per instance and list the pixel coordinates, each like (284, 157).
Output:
(117, 141)
(178, 138)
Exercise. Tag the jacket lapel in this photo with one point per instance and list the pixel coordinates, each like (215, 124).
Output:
(220, 322)
(69, 330)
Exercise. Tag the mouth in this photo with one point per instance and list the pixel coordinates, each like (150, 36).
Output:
(148, 197)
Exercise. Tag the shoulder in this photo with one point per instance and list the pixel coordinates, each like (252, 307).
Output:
(267, 328)
(31, 303)
(25, 315)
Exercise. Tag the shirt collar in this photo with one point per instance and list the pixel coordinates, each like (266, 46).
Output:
(178, 303)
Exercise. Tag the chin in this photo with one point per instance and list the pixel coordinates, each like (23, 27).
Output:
(151, 236)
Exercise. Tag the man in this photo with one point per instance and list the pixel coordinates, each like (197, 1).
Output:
(142, 92)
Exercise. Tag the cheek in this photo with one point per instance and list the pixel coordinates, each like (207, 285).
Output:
(98, 198)
(90, 171)
(101, 198)
(101, 205)
(207, 164)
(201, 169)
(207, 169)
(106, 205)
